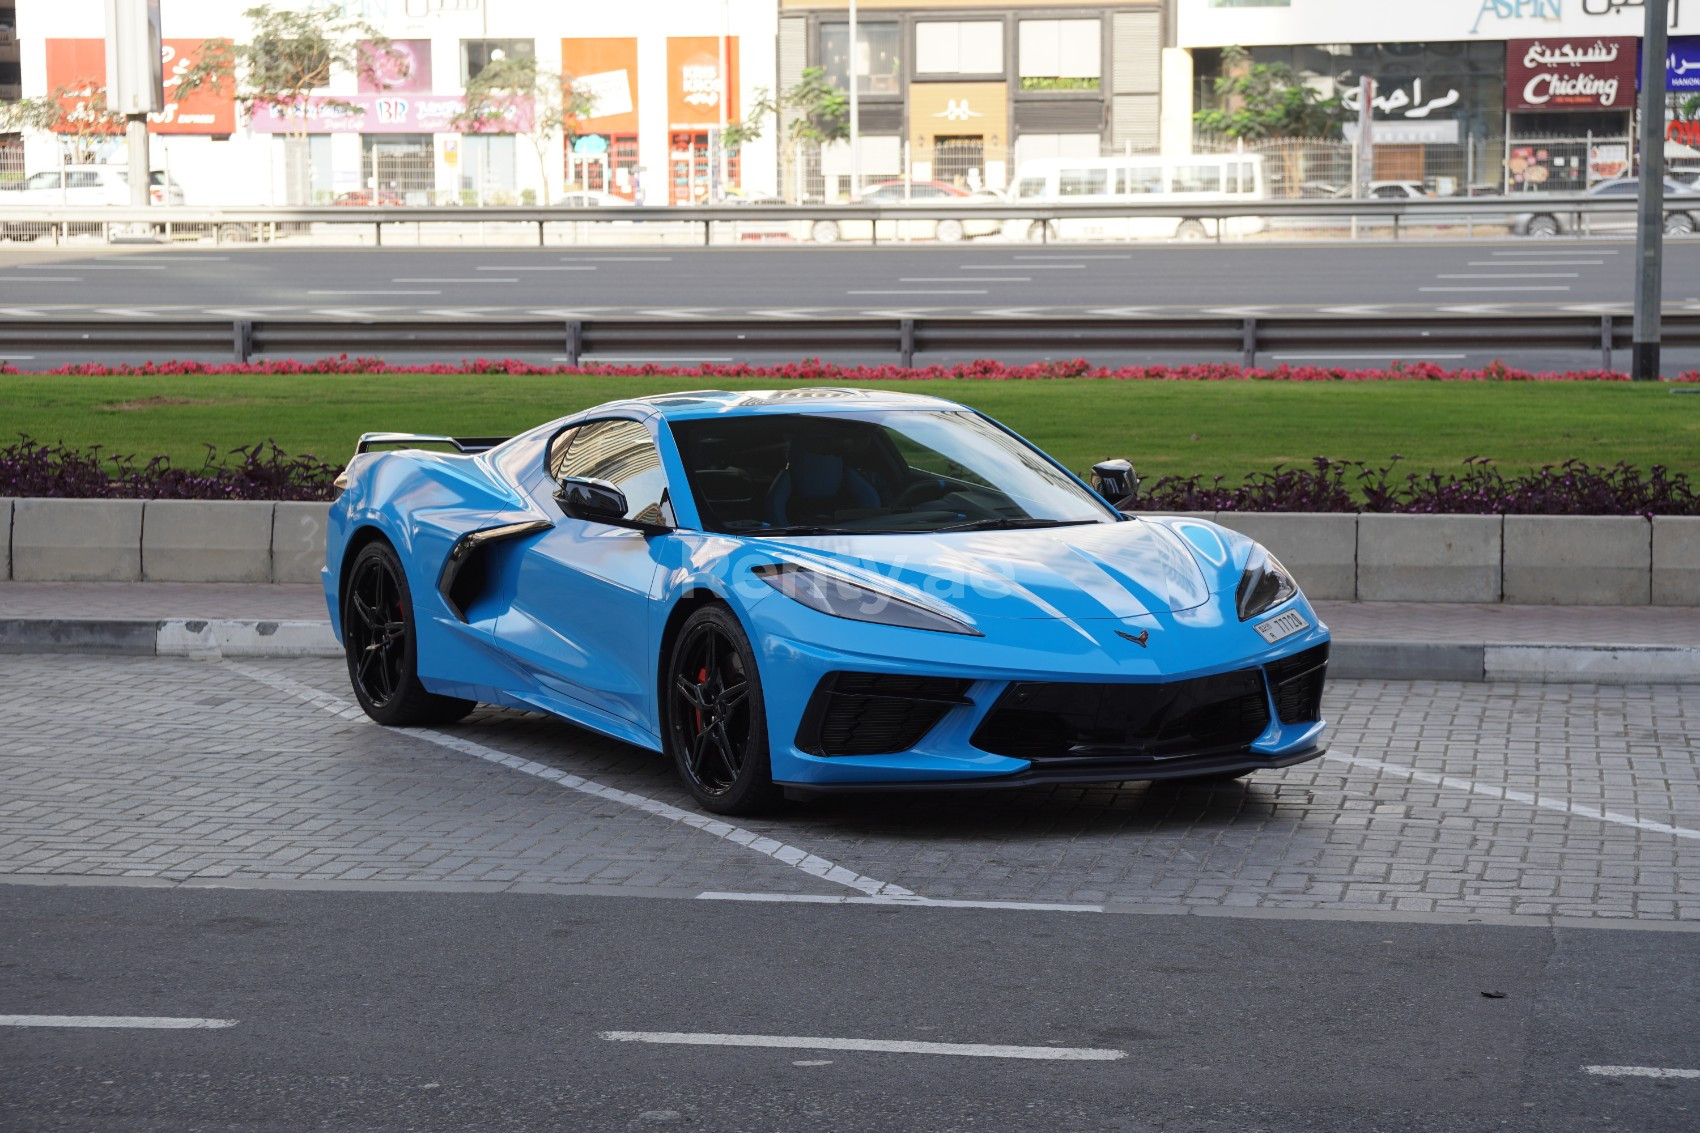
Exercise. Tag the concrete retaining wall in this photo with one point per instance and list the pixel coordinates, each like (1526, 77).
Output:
(48, 540)
(1555, 560)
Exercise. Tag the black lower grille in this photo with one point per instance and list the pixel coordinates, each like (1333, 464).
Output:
(875, 713)
(1296, 683)
(1066, 720)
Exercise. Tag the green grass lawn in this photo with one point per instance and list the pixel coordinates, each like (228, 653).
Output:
(1226, 428)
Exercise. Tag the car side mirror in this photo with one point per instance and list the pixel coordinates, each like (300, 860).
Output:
(583, 498)
(1115, 479)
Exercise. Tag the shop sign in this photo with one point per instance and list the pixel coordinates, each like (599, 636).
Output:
(79, 67)
(1407, 102)
(1441, 132)
(1633, 7)
(1682, 63)
(380, 114)
(694, 82)
(402, 67)
(1570, 74)
(1517, 10)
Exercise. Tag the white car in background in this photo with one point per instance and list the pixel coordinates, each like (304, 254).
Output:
(76, 186)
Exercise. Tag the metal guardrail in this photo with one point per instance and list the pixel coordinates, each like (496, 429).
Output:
(263, 219)
(902, 339)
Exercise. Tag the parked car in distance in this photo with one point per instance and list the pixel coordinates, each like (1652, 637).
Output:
(1548, 217)
(76, 186)
(359, 198)
(1392, 191)
(590, 199)
(929, 194)
(1143, 179)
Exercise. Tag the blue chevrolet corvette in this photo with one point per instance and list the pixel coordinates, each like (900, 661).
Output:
(813, 590)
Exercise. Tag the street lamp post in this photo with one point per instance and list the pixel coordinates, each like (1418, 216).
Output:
(855, 112)
(1650, 227)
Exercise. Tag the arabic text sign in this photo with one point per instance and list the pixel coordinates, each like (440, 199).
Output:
(1682, 64)
(1412, 101)
(381, 114)
(1570, 74)
(1634, 8)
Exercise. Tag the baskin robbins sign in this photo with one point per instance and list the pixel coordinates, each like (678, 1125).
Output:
(1570, 74)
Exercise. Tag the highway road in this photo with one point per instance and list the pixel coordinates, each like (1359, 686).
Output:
(420, 1011)
(994, 281)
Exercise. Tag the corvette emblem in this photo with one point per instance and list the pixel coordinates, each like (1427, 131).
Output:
(1139, 639)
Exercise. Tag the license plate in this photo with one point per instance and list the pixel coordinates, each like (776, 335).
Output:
(1281, 625)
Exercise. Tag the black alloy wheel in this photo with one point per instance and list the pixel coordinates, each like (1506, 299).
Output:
(382, 649)
(715, 720)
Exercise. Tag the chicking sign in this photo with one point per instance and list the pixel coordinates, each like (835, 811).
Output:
(1570, 74)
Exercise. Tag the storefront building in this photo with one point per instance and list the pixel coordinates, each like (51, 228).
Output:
(1477, 95)
(961, 92)
(662, 80)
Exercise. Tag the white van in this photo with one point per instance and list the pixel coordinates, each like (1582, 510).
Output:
(1191, 179)
(76, 186)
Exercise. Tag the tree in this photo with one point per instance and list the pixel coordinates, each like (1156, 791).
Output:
(76, 111)
(1267, 100)
(290, 54)
(501, 97)
(814, 112)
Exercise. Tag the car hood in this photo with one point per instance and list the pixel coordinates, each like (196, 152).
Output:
(1090, 572)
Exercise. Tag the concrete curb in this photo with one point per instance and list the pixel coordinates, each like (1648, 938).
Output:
(210, 639)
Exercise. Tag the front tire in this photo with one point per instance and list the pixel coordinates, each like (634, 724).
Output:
(825, 232)
(1679, 224)
(382, 647)
(1543, 228)
(949, 231)
(714, 721)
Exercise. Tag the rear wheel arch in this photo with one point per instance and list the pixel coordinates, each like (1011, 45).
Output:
(357, 542)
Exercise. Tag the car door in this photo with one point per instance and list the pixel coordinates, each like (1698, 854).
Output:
(578, 619)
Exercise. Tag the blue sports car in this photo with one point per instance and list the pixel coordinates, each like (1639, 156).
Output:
(813, 590)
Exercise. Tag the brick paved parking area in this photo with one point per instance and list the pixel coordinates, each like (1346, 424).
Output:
(1484, 800)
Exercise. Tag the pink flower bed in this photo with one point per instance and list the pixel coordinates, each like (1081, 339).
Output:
(815, 370)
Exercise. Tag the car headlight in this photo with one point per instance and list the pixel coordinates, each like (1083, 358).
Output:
(831, 594)
(1265, 583)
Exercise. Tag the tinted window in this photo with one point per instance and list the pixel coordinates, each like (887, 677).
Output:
(621, 453)
(1197, 179)
(83, 180)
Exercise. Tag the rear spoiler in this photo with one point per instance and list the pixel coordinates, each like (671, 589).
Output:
(369, 441)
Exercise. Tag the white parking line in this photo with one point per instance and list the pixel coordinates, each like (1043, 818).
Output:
(883, 1046)
(1640, 1072)
(779, 851)
(1544, 802)
(135, 1022)
(1515, 275)
(916, 902)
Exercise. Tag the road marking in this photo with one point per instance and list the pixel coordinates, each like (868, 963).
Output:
(1109, 256)
(971, 279)
(1373, 310)
(1544, 802)
(883, 1046)
(556, 314)
(1008, 312)
(1560, 287)
(236, 313)
(1571, 252)
(546, 267)
(1544, 263)
(1026, 267)
(19, 313)
(1514, 275)
(447, 313)
(127, 312)
(917, 902)
(916, 291)
(16, 357)
(137, 1022)
(620, 259)
(463, 279)
(45, 279)
(1640, 1072)
(372, 292)
(674, 313)
(1478, 309)
(1363, 357)
(792, 313)
(95, 267)
(792, 856)
(173, 258)
(1124, 312)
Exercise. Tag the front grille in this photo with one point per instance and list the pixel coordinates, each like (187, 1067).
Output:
(875, 713)
(1043, 720)
(1296, 683)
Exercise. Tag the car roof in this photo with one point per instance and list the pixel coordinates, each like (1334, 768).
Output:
(805, 399)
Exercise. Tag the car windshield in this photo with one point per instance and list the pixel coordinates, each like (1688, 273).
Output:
(897, 471)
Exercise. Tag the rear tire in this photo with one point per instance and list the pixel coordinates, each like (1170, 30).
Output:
(824, 232)
(1679, 224)
(1041, 231)
(1190, 230)
(949, 231)
(382, 647)
(714, 720)
(1542, 228)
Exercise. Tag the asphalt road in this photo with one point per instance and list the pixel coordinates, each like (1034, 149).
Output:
(432, 1011)
(991, 280)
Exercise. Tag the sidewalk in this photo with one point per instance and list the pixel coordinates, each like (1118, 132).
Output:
(1389, 640)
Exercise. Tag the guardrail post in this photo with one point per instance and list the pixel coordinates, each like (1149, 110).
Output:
(575, 341)
(540, 233)
(1606, 322)
(243, 339)
(1248, 343)
(906, 343)
(1395, 225)
(705, 237)
(377, 234)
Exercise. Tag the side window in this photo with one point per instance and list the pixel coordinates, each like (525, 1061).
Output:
(558, 453)
(84, 180)
(1030, 187)
(621, 453)
(48, 180)
(1083, 182)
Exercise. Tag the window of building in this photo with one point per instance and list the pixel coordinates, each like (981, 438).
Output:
(487, 164)
(879, 57)
(1061, 54)
(959, 47)
(477, 54)
(1032, 147)
(397, 168)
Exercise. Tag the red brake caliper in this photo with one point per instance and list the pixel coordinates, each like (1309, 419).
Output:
(702, 678)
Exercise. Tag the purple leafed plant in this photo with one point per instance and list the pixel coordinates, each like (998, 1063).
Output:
(255, 472)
